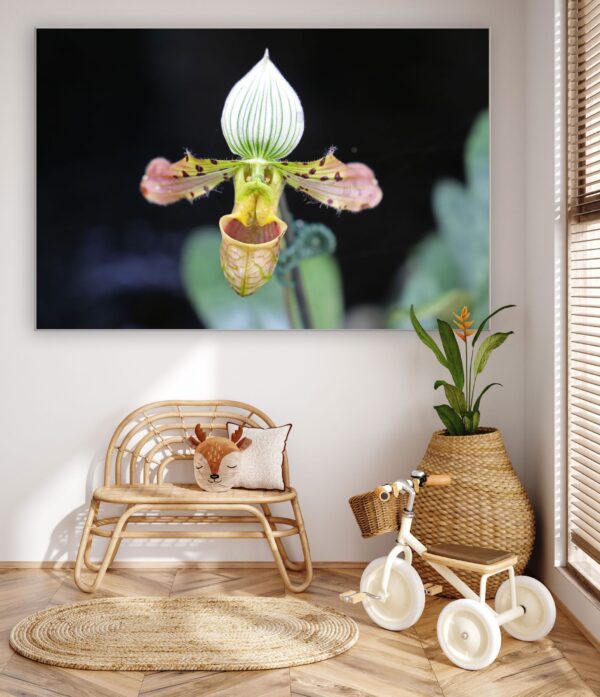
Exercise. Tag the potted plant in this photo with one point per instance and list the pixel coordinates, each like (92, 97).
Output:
(486, 505)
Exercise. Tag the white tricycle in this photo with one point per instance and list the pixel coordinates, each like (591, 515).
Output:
(468, 630)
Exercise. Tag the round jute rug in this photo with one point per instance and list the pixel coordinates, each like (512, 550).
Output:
(221, 633)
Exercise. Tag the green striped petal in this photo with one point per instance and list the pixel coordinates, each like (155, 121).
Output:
(262, 117)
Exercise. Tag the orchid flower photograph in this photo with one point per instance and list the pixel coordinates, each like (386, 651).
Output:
(274, 185)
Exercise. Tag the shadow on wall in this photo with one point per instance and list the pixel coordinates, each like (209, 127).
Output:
(76, 431)
(64, 538)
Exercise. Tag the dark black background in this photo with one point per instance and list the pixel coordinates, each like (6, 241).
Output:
(108, 101)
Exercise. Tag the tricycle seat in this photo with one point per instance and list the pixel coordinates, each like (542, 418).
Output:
(479, 559)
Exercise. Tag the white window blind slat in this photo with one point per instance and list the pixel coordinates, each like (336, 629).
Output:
(583, 286)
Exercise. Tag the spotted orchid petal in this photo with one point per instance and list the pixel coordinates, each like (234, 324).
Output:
(351, 187)
(252, 233)
(167, 182)
(262, 117)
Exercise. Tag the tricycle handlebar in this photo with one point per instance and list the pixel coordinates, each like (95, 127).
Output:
(411, 486)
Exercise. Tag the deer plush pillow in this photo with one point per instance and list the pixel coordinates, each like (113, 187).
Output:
(262, 463)
(218, 460)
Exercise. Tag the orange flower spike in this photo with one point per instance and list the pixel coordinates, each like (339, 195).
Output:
(463, 323)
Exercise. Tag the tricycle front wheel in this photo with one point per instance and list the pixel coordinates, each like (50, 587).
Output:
(469, 634)
(406, 595)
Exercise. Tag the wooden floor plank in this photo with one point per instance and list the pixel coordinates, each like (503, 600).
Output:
(20, 688)
(255, 683)
(74, 683)
(257, 582)
(23, 592)
(119, 583)
(382, 663)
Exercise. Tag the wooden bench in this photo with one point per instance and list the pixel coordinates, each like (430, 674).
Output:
(144, 446)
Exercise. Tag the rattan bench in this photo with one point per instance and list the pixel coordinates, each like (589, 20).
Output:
(139, 454)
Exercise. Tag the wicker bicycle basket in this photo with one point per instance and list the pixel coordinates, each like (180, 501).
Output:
(375, 517)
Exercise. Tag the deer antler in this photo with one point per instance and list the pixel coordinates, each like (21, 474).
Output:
(236, 435)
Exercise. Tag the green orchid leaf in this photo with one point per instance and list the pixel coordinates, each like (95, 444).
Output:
(456, 398)
(426, 339)
(476, 416)
(450, 419)
(452, 352)
(492, 342)
(482, 325)
(217, 306)
(485, 389)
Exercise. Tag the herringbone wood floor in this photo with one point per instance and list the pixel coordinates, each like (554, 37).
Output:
(382, 663)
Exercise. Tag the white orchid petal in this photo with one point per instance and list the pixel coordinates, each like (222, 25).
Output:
(262, 117)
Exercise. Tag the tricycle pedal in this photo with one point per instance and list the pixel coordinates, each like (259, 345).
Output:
(432, 588)
(357, 596)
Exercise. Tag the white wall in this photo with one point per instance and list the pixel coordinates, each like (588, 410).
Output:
(544, 367)
(360, 402)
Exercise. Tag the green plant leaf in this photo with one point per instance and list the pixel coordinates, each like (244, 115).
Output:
(456, 398)
(450, 419)
(322, 282)
(485, 389)
(426, 339)
(482, 325)
(452, 352)
(215, 303)
(492, 342)
(468, 421)
(476, 416)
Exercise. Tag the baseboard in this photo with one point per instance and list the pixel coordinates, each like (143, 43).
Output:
(179, 565)
(582, 628)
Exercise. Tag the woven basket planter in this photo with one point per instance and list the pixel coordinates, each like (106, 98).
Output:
(485, 506)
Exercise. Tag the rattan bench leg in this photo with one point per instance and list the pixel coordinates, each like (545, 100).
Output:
(277, 556)
(109, 554)
(308, 568)
(289, 564)
(87, 538)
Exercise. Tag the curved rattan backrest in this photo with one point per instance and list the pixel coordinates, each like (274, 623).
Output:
(149, 439)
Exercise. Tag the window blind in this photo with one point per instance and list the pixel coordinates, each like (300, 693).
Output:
(583, 267)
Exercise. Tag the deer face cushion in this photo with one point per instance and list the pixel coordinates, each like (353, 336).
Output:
(217, 460)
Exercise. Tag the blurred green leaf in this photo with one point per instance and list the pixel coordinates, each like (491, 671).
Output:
(441, 307)
(454, 259)
(322, 283)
